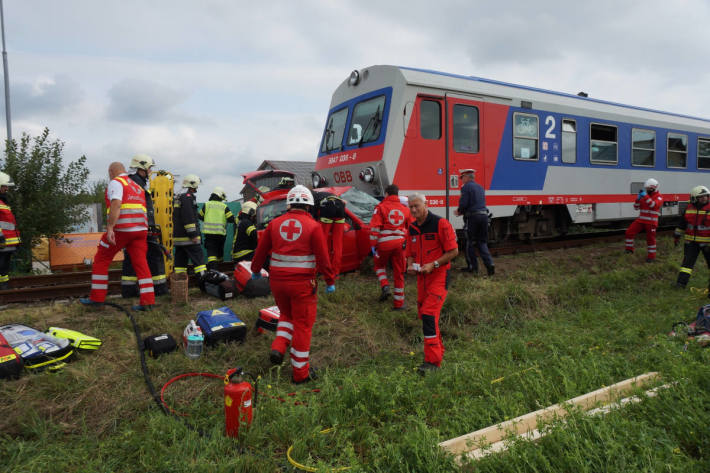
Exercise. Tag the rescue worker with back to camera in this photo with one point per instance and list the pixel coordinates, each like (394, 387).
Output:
(186, 228)
(695, 223)
(245, 236)
(388, 236)
(298, 252)
(141, 167)
(472, 206)
(216, 215)
(127, 227)
(9, 235)
(649, 203)
(431, 246)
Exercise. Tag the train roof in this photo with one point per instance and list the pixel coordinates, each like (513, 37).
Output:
(508, 92)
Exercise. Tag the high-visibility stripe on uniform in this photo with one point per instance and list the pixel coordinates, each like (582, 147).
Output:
(686, 270)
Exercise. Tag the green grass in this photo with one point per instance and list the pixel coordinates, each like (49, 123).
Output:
(553, 325)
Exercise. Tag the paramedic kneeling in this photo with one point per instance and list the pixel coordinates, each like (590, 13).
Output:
(431, 246)
(297, 247)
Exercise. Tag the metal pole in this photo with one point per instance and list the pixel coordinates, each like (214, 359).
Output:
(8, 121)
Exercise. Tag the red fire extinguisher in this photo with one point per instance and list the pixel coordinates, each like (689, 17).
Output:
(237, 401)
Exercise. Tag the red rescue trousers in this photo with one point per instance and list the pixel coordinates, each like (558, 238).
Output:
(298, 302)
(395, 256)
(136, 245)
(333, 233)
(637, 227)
(431, 294)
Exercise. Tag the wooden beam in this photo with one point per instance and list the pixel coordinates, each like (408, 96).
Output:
(528, 423)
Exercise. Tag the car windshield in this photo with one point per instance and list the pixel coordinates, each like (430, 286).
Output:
(360, 203)
(269, 211)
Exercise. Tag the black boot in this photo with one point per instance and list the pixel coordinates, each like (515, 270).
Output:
(385, 293)
(491, 270)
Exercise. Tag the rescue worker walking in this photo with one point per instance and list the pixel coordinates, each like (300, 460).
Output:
(472, 206)
(695, 223)
(298, 252)
(329, 209)
(127, 227)
(245, 236)
(141, 165)
(388, 236)
(216, 215)
(9, 235)
(649, 202)
(431, 246)
(186, 228)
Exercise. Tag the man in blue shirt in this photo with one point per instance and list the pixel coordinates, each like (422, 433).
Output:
(472, 206)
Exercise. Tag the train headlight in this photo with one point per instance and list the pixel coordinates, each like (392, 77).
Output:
(317, 180)
(354, 78)
(367, 174)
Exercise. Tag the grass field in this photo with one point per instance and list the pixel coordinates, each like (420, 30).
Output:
(553, 325)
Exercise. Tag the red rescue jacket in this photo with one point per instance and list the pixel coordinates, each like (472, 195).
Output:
(428, 241)
(8, 225)
(132, 216)
(650, 208)
(388, 227)
(696, 224)
(297, 247)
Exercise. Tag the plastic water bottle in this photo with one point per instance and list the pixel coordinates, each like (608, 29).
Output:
(193, 340)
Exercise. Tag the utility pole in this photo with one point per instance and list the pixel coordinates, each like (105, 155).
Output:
(8, 122)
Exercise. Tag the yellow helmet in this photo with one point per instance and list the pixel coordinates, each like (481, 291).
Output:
(219, 192)
(142, 161)
(5, 180)
(697, 192)
(191, 181)
(248, 208)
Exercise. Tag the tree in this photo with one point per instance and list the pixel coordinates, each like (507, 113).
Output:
(46, 197)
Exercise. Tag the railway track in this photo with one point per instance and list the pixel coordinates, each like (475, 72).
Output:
(78, 284)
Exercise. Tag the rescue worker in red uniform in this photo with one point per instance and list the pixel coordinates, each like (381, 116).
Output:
(9, 235)
(649, 202)
(431, 246)
(388, 234)
(127, 228)
(298, 251)
(695, 223)
(330, 211)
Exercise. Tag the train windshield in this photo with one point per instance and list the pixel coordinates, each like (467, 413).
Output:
(367, 120)
(334, 131)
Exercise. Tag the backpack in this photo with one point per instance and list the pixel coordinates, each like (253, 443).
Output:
(221, 325)
(38, 350)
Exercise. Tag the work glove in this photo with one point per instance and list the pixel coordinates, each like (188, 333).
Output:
(255, 276)
(330, 289)
(642, 194)
(373, 251)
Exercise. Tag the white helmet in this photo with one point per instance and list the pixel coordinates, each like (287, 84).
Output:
(651, 184)
(219, 192)
(142, 161)
(697, 192)
(248, 208)
(299, 195)
(191, 181)
(5, 180)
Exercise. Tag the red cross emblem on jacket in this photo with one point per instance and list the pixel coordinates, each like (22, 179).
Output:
(290, 229)
(396, 217)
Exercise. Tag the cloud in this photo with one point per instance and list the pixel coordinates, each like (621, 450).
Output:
(140, 100)
(44, 96)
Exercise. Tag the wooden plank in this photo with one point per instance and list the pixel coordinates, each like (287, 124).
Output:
(529, 422)
(536, 434)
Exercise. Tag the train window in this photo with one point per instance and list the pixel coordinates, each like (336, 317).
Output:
(643, 147)
(569, 141)
(465, 129)
(525, 136)
(334, 130)
(430, 119)
(602, 144)
(703, 153)
(677, 150)
(367, 121)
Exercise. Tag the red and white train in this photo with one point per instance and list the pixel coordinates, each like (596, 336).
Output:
(546, 159)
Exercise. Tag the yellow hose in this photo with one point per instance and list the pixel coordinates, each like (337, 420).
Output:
(306, 467)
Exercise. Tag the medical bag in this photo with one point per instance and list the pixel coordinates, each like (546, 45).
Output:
(221, 325)
(10, 362)
(247, 286)
(268, 319)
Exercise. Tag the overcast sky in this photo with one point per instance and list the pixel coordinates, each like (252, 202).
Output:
(214, 87)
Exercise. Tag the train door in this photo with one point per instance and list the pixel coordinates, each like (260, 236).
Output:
(422, 163)
(465, 120)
